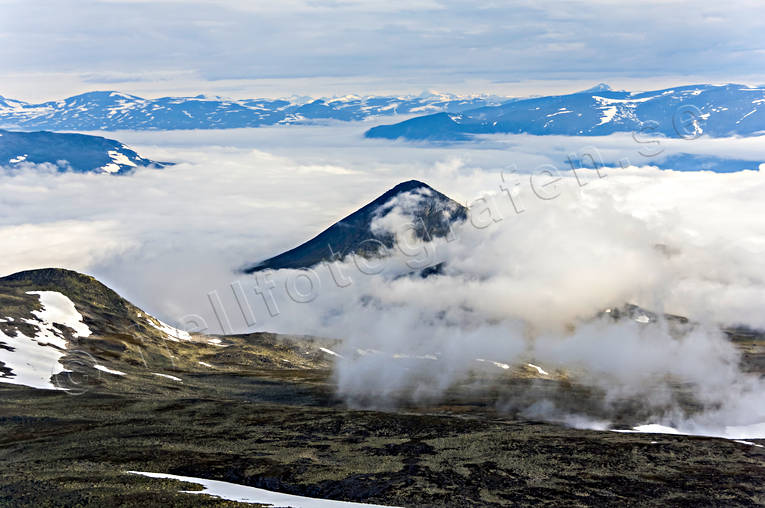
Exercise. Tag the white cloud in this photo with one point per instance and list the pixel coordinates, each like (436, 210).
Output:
(330, 47)
(516, 291)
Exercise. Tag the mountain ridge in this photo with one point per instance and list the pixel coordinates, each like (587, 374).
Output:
(64, 330)
(81, 153)
(110, 110)
(680, 112)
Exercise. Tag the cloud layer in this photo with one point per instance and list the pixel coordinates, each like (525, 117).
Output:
(525, 277)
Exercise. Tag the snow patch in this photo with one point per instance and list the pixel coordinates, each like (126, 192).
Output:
(562, 111)
(108, 370)
(748, 443)
(168, 376)
(746, 115)
(120, 158)
(171, 333)
(34, 360)
(608, 114)
(502, 366)
(57, 308)
(110, 168)
(753, 431)
(330, 352)
(244, 494)
(539, 369)
(605, 101)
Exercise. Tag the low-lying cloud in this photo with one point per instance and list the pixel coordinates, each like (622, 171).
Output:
(524, 281)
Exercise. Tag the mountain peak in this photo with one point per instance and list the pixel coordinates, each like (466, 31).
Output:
(600, 87)
(432, 215)
(407, 186)
(49, 276)
(102, 309)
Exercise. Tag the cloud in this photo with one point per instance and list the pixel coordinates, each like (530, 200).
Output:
(72, 244)
(523, 282)
(340, 47)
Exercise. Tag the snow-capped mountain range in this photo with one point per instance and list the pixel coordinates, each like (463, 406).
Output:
(687, 112)
(114, 110)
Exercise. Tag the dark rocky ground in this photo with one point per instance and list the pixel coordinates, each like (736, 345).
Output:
(282, 430)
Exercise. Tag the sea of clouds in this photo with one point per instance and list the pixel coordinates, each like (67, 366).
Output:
(525, 279)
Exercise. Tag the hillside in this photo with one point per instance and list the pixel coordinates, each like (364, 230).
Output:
(80, 153)
(63, 330)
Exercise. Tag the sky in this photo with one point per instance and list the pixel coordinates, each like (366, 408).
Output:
(53, 48)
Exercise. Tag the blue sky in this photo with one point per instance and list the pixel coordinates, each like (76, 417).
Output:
(54, 48)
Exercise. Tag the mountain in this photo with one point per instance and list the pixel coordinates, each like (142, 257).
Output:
(62, 330)
(687, 111)
(697, 162)
(431, 212)
(113, 110)
(76, 152)
(600, 87)
(679, 162)
(46, 313)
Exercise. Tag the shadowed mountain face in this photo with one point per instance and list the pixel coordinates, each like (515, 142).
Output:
(430, 214)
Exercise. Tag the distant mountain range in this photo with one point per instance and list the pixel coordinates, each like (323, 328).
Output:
(114, 110)
(431, 212)
(687, 111)
(714, 110)
(681, 112)
(69, 152)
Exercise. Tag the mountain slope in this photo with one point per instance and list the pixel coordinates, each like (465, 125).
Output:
(430, 211)
(46, 313)
(62, 330)
(76, 152)
(114, 110)
(687, 111)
